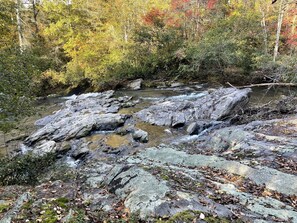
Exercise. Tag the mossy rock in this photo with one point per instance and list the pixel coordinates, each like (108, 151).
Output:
(193, 216)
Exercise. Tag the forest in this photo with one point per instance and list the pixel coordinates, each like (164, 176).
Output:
(49, 45)
(134, 111)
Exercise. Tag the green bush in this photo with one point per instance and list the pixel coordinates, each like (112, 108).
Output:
(283, 70)
(16, 88)
(24, 169)
(228, 44)
(153, 52)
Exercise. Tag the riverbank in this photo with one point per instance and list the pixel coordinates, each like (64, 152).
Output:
(169, 154)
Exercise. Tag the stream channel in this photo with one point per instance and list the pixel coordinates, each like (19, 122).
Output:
(158, 134)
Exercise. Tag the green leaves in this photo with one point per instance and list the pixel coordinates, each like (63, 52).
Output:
(25, 169)
(16, 74)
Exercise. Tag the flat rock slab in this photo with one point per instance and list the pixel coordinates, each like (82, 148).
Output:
(271, 178)
(141, 191)
(264, 206)
(77, 126)
(149, 196)
(211, 106)
(278, 136)
(86, 103)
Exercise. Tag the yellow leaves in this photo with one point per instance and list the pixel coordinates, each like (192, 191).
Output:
(54, 77)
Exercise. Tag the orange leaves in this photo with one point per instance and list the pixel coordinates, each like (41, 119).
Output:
(179, 4)
(211, 4)
(154, 17)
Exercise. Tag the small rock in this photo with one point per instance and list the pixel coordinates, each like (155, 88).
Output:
(202, 216)
(176, 84)
(192, 128)
(65, 147)
(125, 130)
(178, 120)
(45, 147)
(80, 152)
(135, 85)
(168, 131)
(198, 126)
(140, 135)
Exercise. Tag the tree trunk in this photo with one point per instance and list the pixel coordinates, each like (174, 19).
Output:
(20, 26)
(282, 9)
(35, 13)
(126, 33)
(265, 33)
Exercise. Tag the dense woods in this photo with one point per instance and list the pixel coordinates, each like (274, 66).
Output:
(73, 42)
(46, 45)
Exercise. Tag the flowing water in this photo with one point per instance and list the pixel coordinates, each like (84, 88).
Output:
(157, 134)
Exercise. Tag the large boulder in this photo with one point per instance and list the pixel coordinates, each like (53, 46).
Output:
(86, 103)
(77, 126)
(80, 116)
(216, 105)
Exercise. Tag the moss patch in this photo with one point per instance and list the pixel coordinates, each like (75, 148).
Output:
(4, 207)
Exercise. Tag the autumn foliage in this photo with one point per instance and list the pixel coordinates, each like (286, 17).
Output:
(96, 41)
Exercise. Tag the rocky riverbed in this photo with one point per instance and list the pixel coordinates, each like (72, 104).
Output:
(197, 157)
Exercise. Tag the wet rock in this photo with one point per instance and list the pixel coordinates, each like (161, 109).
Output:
(135, 85)
(140, 135)
(216, 105)
(45, 147)
(80, 116)
(77, 126)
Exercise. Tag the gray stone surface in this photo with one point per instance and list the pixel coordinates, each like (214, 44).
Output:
(14, 211)
(141, 191)
(212, 106)
(260, 175)
(165, 180)
(45, 147)
(80, 116)
(254, 137)
(135, 85)
(140, 135)
(264, 206)
(197, 127)
(77, 126)
(85, 103)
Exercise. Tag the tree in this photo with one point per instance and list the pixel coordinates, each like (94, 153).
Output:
(282, 8)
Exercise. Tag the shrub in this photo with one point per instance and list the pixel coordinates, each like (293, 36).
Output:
(24, 169)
